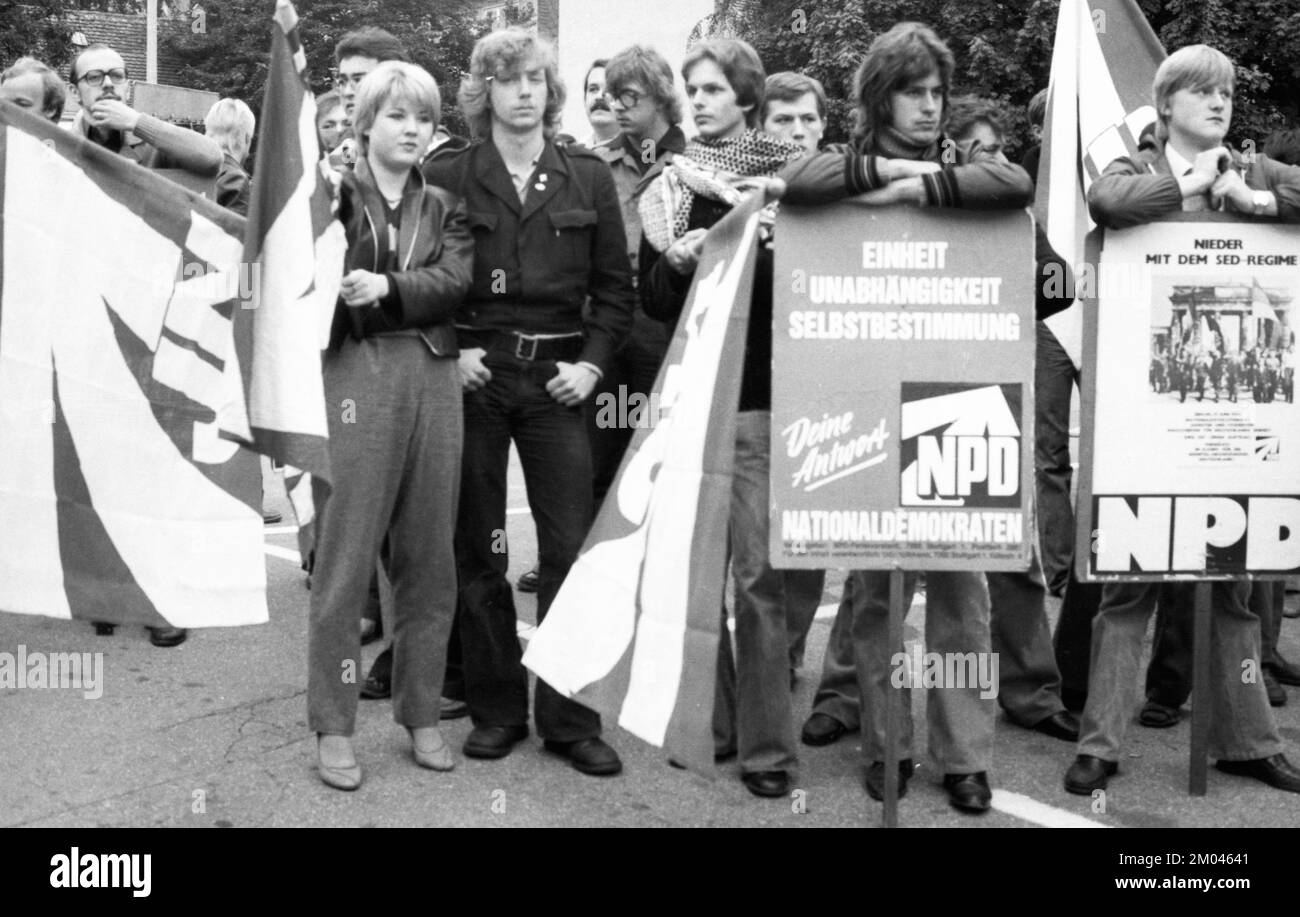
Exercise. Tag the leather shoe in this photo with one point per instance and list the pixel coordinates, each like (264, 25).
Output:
(590, 756)
(1089, 773)
(493, 741)
(453, 709)
(875, 779)
(822, 729)
(718, 758)
(375, 688)
(968, 792)
(1285, 672)
(167, 636)
(1062, 725)
(1276, 693)
(430, 749)
(1276, 771)
(529, 581)
(766, 783)
(334, 768)
(1156, 715)
(104, 629)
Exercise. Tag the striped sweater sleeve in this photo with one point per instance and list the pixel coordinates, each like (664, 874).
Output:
(833, 174)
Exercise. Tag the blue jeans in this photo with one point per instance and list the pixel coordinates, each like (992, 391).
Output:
(956, 621)
(1054, 381)
(763, 712)
(837, 692)
(556, 459)
(1029, 688)
(1169, 674)
(1241, 724)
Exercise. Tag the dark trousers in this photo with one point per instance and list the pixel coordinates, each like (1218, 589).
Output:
(1054, 381)
(1169, 674)
(556, 457)
(1029, 689)
(1073, 639)
(632, 371)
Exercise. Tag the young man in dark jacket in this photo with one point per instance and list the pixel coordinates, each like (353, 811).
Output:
(1021, 635)
(1187, 169)
(898, 156)
(548, 241)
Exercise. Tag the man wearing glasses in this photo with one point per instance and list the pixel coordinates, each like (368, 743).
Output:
(98, 77)
(357, 53)
(640, 93)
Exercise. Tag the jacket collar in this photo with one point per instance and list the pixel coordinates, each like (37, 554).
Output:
(490, 170)
(552, 175)
(412, 196)
(627, 151)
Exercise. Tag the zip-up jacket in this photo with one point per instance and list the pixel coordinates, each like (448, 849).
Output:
(435, 256)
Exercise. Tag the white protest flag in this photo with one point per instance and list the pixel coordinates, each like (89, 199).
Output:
(1104, 60)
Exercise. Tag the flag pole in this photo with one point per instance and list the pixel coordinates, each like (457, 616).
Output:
(1197, 768)
(894, 701)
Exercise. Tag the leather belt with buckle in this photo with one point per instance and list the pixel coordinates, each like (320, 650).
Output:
(532, 347)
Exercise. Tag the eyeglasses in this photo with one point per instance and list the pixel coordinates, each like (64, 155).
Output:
(349, 79)
(96, 77)
(627, 98)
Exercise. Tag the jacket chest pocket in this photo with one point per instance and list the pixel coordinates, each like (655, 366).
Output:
(483, 224)
(574, 231)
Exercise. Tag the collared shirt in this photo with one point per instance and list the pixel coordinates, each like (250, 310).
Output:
(1178, 167)
(521, 179)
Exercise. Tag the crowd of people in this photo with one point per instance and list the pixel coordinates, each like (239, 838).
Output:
(496, 285)
(1266, 373)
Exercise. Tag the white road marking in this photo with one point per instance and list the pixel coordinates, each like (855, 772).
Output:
(283, 553)
(1040, 813)
(1014, 804)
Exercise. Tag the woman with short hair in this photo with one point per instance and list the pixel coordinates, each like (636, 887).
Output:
(395, 426)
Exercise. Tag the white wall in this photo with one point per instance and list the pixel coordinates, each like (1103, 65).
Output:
(602, 28)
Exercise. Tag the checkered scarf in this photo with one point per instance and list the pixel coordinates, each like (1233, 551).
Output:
(714, 169)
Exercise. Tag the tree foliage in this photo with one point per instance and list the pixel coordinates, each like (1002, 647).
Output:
(36, 28)
(230, 55)
(1003, 47)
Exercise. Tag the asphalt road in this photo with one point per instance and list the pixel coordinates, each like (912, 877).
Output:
(214, 733)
